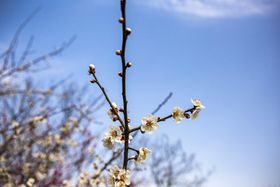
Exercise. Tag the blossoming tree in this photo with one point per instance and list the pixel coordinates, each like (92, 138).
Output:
(44, 134)
(123, 132)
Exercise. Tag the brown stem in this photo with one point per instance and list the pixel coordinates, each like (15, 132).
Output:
(107, 98)
(108, 163)
(124, 39)
(133, 149)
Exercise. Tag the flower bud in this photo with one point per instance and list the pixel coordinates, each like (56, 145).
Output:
(121, 20)
(118, 52)
(115, 118)
(128, 120)
(187, 115)
(91, 69)
(121, 127)
(93, 81)
(128, 31)
(121, 109)
(120, 74)
(129, 64)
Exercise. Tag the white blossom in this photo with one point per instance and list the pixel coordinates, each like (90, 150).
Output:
(142, 155)
(113, 175)
(178, 114)
(108, 142)
(149, 124)
(115, 133)
(198, 107)
(112, 113)
(30, 182)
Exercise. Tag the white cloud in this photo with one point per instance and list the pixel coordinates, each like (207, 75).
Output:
(215, 8)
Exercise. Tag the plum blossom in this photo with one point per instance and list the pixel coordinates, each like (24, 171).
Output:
(198, 106)
(115, 133)
(112, 113)
(142, 155)
(108, 142)
(119, 177)
(149, 124)
(178, 114)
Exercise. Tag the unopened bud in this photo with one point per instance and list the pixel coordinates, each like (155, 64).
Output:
(128, 120)
(187, 115)
(142, 131)
(93, 81)
(128, 31)
(118, 52)
(91, 69)
(121, 20)
(129, 64)
(115, 118)
(120, 74)
(121, 109)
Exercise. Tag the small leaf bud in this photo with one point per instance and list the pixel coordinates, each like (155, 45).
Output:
(187, 115)
(129, 64)
(128, 31)
(118, 52)
(121, 20)
(115, 118)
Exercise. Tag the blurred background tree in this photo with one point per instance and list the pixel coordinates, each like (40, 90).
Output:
(45, 130)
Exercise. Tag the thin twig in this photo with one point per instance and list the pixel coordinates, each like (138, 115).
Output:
(160, 120)
(108, 163)
(108, 99)
(133, 149)
(162, 103)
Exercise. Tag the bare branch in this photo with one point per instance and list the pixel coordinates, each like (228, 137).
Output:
(162, 103)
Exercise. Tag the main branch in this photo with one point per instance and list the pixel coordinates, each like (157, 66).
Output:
(124, 39)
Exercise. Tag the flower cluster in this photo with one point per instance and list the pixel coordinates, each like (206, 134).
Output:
(119, 177)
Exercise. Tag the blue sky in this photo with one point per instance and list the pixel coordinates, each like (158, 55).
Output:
(225, 52)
